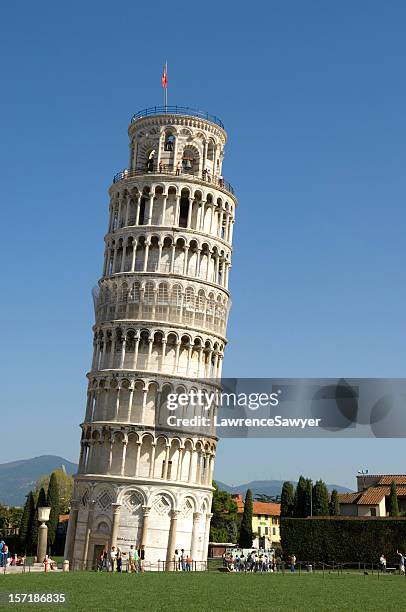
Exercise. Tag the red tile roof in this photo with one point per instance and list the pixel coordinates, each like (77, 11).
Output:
(387, 479)
(264, 508)
(374, 495)
(349, 498)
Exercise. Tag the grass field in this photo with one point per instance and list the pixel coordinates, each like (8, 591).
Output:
(212, 591)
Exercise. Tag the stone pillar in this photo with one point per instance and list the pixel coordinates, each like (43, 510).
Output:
(116, 523)
(194, 545)
(177, 210)
(150, 208)
(165, 198)
(42, 542)
(165, 476)
(172, 540)
(206, 536)
(137, 459)
(144, 535)
(146, 254)
(185, 262)
(124, 452)
(70, 534)
(152, 464)
(138, 207)
(89, 524)
(173, 258)
(136, 347)
(197, 271)
(122, 356)
(133, 256)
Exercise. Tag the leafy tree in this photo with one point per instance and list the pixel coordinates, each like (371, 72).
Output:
(65, 486)
(10, 518)
(334, 504)
(320, 499)
(393, 501)
(223, 526)
(287, 499)
(303, 498)
(54, 504)
(246, 535)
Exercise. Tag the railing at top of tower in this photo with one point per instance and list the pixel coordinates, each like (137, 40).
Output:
(176, 110)
(216, 181)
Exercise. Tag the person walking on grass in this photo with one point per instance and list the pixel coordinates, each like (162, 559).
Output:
(401, 563)
(119, 560)
(141, 556)
(113, 558)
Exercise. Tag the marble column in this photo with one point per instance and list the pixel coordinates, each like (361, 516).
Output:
(89, 524)
(144, 535)
(70, 535)
(116, 523)
(206, 537)
(194, 546)
(172, 540)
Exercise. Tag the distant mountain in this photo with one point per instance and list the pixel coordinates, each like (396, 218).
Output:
(268, 487)
(19, 477)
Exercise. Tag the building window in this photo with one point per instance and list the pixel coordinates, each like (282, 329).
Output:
(273, 530)
(373, 511)
(266, 530)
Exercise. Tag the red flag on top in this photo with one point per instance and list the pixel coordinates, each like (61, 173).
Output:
(164, 79)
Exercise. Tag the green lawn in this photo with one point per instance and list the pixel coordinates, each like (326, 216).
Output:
(213, 591)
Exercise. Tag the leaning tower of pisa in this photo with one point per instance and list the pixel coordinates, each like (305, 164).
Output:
(161, 310)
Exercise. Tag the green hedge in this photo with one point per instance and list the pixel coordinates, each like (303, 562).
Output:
(343, 539)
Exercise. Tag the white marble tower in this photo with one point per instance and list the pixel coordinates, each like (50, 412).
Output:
(161, 311)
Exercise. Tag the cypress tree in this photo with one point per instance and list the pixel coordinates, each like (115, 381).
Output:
(393, 501)
(320, 499)
(42, 498)
(334, 505)
(32, 526)
(26, 521)
(303, 498)
(287, 499)
(245, 539)
(53, 503)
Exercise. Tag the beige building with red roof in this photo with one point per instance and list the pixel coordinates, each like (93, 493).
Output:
(371, 498)
(265, 521)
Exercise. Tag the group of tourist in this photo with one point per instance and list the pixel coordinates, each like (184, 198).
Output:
(8, 560)
(181, 561)
(116, 560)
(206, 176)
(255, 562)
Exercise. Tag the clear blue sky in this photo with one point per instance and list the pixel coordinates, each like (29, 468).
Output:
(312, 95)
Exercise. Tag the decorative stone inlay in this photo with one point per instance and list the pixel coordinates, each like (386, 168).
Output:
(161, 506)
(133, 502)
(104, 500)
